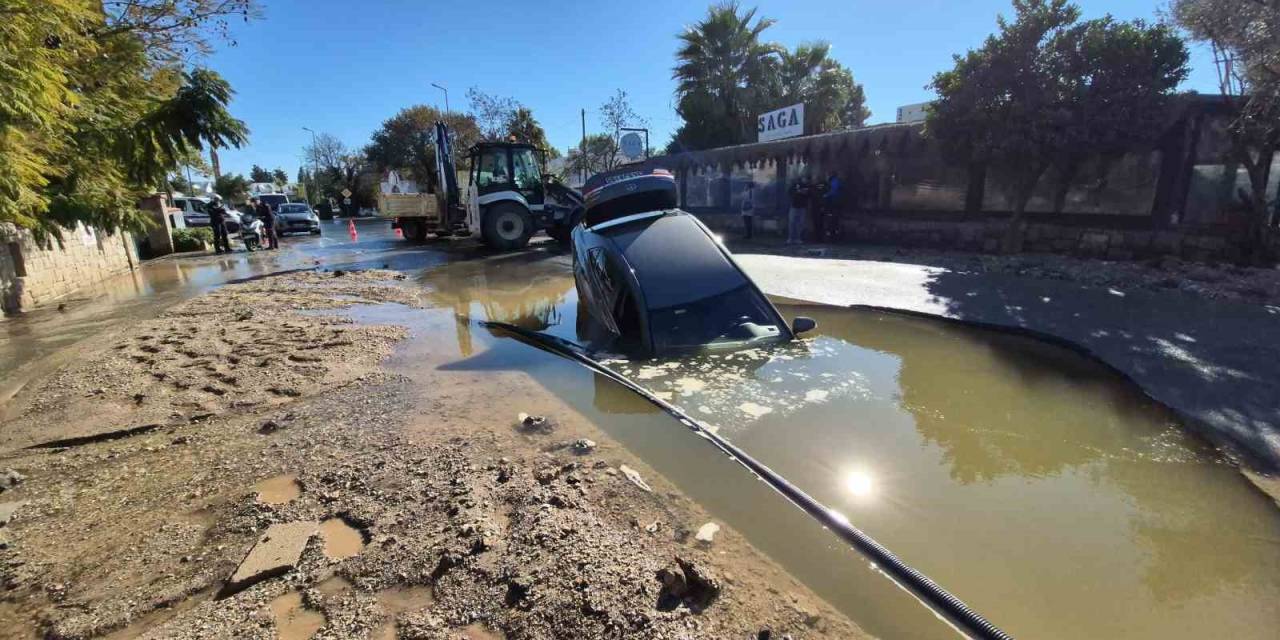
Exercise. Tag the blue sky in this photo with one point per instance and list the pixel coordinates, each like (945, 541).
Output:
(343, 67)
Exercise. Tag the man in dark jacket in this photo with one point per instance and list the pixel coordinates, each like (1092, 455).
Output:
(268, 217)
(799, 193)
(218, 221)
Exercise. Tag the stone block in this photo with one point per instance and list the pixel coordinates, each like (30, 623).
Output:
(276, 553)
(1094, 243)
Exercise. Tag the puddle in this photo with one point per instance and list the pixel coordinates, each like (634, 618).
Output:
(293, 620)
(478, 631)
(398, 600)
(1044, 491)
(341, 540)
(333, 586)
(278, 490)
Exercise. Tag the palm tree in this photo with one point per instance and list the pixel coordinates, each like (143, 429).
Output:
(832, 99)
(723, 71)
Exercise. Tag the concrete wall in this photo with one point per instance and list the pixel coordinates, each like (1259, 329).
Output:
(31, 275)
(983, 235)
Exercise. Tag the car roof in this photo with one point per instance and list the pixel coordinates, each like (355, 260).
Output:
(664, 250)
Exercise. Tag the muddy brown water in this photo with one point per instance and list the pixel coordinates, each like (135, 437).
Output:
(294, 621)
(1046, 492)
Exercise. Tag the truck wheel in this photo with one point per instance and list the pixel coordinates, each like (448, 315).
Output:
(507, 226)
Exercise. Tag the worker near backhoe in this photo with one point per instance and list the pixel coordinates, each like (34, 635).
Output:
(218, 221)
(268, 218)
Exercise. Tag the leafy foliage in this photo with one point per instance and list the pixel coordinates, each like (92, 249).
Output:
(96, 110)
(492, 113)
(233, 187)
(192, 238)
(600, 153)
(258, 174)
(523, 127)
(1245, 38)
(1047, 90)
(279, 177)
(726, 75)
(404, 142)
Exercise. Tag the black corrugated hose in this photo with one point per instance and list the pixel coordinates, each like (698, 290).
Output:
(929, 592)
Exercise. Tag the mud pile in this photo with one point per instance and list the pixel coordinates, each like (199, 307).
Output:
(412, 525)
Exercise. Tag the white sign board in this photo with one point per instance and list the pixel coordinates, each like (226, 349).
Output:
(346, 193)
(632, 145)
(787, 122)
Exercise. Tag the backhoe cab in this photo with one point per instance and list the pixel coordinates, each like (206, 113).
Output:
(506, 199)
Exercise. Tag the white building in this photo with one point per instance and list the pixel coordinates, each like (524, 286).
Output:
(909, 113)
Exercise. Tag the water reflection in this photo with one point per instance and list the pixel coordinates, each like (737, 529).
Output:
(1031, 482)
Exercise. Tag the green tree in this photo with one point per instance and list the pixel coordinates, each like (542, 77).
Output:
(723, 72)
(279, 177)
(492, 113)
(832, 100)
(405, 142)
(233, 187)
(601, 154)
(523, 127)
(101, 110)
(1047, 90)
(1245, 38)
(258, 174)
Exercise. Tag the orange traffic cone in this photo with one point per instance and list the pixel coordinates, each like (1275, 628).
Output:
(351, 229)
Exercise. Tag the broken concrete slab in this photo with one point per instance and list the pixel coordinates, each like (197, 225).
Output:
(8, 510)
(634, 477)
(276, 553)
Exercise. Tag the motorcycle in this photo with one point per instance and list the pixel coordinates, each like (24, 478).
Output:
(251, 232)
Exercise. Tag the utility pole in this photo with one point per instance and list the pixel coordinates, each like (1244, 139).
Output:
(446, 97)
(315, 168)
(582, 159)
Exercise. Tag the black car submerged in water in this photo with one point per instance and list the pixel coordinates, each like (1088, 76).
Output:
(657, 281)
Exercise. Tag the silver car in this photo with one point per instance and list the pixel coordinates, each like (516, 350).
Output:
(296, 217)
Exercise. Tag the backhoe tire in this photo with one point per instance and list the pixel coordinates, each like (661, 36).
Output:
(506, 226)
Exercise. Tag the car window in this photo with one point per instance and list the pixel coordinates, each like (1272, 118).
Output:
(293, 208)
(712, 320)
(197, 206)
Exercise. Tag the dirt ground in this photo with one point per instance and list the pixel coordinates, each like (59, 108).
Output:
(145, 471)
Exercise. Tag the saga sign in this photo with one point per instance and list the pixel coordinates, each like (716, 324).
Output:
(787, 122)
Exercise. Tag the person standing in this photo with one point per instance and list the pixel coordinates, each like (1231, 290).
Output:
(817, 195)
(830, 207)
(748, 210)
(796, 217)
(268, 217)
(218, 221)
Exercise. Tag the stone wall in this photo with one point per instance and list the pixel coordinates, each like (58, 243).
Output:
(31, 275)
(983, 235)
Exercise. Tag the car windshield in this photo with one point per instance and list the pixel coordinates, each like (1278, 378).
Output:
(723, 318)
(293, 208)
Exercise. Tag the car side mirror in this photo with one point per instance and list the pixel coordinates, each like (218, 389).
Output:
(801, 324)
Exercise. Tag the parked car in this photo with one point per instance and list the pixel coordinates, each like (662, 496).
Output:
(296, 217)
(273, 200)
(658, 280)
(193, 210)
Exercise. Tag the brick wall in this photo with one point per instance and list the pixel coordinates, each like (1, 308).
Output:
(31, 275)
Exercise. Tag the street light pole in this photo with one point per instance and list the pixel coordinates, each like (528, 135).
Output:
(446, 97)
(315, 167)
